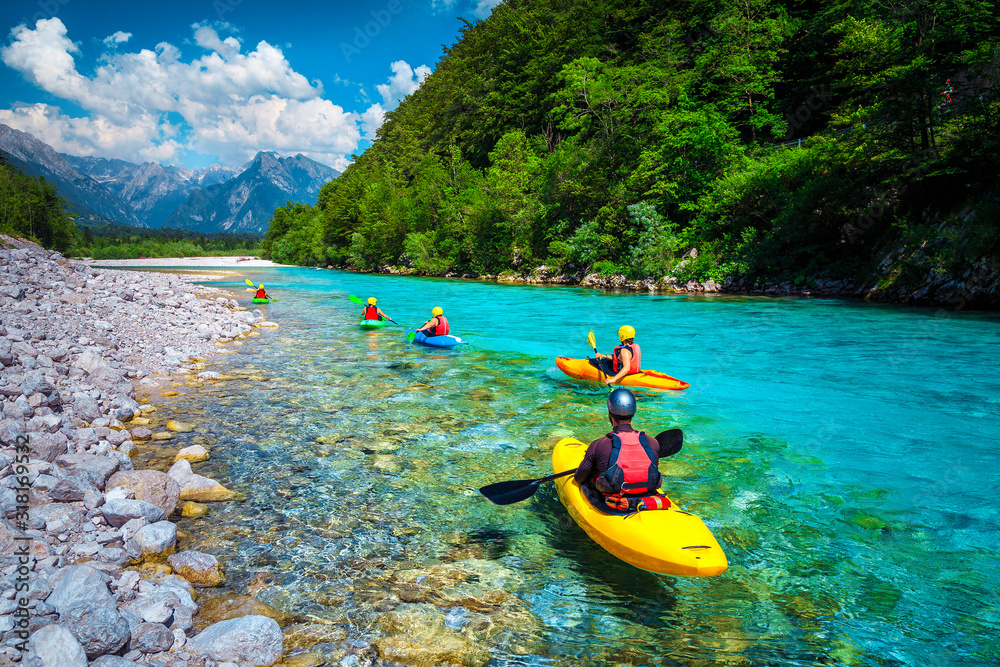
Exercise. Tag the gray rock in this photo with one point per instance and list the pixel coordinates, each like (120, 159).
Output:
(251, 640)
(118, 512)
(55, 518)
(151, 638)
(152, 486)
(99, 629)
(47, 446)
(95, 469)
(114, 661)
(153, 540)
(90, 360)
(86, 407)
(68, 490)
(81, 585)
(54, 646)
(11, 433)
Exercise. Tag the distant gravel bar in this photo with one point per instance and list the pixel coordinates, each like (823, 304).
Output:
(76, 520)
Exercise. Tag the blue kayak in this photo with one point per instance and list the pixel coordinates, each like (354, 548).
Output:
(437, 341)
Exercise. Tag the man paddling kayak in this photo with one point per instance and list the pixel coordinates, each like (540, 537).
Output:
(624, 360)
(261, 294)
(437, 325)
(623, 465)
(373, 312)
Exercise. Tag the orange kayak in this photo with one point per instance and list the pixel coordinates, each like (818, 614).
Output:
(581, 369)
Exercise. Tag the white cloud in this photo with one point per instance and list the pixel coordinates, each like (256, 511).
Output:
(404, 80)
(117, 38)
(483, 8)
(371, 120)
(232, 104)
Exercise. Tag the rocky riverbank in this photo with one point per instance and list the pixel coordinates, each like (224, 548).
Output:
(977, 288)
(88, 548)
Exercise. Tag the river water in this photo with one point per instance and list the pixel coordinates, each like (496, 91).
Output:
(845, 455)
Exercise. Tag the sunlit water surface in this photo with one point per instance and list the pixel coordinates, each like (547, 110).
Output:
(844, 454)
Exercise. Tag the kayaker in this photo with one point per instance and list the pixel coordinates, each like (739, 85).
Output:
(261, 294)
(623, 465)
(437, 325)
(373, 312)
(625, 358)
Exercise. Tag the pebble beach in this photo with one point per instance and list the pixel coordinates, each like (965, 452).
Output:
(90, 573)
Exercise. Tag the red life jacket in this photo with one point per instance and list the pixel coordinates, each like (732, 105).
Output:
(632, 469)
(261, 294)
(441, 329)
(616, 360)
(371, 313)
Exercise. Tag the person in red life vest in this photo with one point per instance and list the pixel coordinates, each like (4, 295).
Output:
(437, 325)
(373, 312)
(625, 358)
(623, 465)
(261, 294)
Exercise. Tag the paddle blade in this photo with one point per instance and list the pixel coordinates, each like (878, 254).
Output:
(590, 339)
(410, 336)
(355, 299)
(670, 442)
(507, 493)
(249, 282)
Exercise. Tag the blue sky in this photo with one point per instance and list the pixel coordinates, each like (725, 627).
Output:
(191, 83)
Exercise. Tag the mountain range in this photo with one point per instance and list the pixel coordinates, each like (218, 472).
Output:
(214, 199)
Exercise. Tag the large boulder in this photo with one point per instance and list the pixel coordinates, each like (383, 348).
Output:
(251, 640)
(81, 585)
(54, 646)
(119, 511)
(199, 568)
(47, 446)
(94, 469)
(196, 487)
(99, 629)
(152, 486)
(152, 541)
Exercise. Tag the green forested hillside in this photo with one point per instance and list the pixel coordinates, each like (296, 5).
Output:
(617, 135)
(30, 207)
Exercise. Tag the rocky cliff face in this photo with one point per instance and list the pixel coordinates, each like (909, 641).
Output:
(214, 199)
(153, 191)
(247, 202)
(90, 199)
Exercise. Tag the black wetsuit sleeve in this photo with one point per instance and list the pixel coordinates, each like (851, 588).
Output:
(589, 463)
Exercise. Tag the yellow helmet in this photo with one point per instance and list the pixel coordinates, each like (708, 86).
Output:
(371, 301)
(260, 287)
(625, 333)
(438, 310)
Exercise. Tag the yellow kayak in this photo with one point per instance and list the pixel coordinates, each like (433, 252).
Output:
(581, 369)
(668, 541)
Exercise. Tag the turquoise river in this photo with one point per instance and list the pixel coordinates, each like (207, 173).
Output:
(846, 456)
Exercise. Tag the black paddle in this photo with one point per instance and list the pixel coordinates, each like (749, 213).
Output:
(514, 491)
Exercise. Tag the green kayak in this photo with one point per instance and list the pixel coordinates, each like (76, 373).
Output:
(256, 300)
(373, 324)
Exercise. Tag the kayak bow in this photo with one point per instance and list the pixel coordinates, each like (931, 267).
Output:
(667, 541)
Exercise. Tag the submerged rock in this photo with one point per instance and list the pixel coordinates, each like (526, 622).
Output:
(197, 487)
(199, 568)
(251, 640)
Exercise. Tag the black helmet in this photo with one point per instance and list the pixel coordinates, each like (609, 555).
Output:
(621, 403)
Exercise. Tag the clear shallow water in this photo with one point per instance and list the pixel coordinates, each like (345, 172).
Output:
(845, 455)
